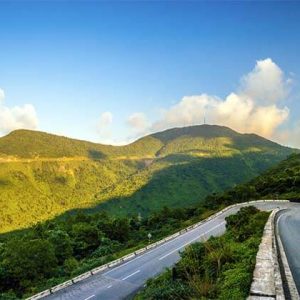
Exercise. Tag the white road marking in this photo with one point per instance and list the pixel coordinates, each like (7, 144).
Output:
(108, 287)
(154, 249)
(90, 297)
(196, 238)
(138, 271)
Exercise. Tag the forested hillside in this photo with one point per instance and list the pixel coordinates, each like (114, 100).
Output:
(279, 182)
(181, 181)
(44, 175)
(35, 144)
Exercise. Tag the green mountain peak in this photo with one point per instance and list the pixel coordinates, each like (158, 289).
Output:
(43, 175)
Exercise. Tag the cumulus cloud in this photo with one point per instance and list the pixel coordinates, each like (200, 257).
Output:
(266, 83)
(17, 117)
(235, 111)
(189, 111)
(254, 107)
(138, 122)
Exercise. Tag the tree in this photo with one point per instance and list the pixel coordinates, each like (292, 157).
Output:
(70, 265)
(86, 238)
(29, 260)
(120, 230)
(62, 244)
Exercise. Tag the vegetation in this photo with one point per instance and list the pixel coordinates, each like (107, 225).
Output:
(35, 144)
(203, 140)
(183, 183)
(220, 268)
(39, 190)
(279, 182)
(132, 192)
(43, 175)
(52, 252)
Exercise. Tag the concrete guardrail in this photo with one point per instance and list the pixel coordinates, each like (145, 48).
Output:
(137, 252)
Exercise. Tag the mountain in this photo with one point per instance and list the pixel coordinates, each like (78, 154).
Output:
(35, 144)
(43, 175)
(202, 140)
(281, 181)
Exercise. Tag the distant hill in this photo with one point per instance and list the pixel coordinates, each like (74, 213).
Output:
(279, 182)
(43, 175)
(33, 144)
(195, 140)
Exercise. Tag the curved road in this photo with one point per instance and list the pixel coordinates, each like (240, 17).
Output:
(124, 280)
(289, 230)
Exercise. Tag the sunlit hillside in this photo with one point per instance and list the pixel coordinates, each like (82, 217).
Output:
(43, 175)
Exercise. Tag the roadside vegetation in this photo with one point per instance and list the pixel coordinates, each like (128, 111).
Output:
(54, 251)
(220, 268)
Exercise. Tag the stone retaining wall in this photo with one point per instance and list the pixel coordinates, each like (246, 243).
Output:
(272, 270)
(267, 283)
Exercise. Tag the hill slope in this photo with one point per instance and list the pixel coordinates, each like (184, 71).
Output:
(281, 181)
(42, 175)
(203, 140)
(33, 144)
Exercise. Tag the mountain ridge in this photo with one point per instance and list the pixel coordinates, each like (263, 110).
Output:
(44, 175)
(26, 139)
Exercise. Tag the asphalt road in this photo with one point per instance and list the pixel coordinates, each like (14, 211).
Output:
(123, 280)
(289, 230)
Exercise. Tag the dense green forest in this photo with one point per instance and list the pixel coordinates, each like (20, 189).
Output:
(279, 182)
(76, 242)
(53, 251)
(180, 184)
(220, 268)
(39, 190)
(43, 175)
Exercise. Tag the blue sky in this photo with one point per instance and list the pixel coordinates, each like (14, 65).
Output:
(110, 72)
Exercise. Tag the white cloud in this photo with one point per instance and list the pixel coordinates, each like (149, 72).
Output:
(17, 117)
(235, 111)
(266, 82)
(138, 122)
(189, 111)
(257, 106)
(252, 109)
(266, 119)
